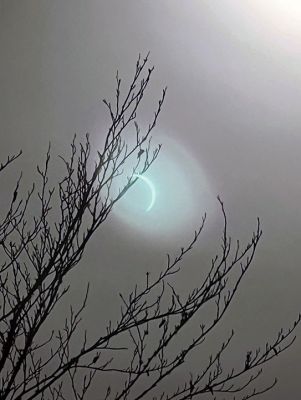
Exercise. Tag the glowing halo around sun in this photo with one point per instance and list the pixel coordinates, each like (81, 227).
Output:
(151, 188)
(168, 200)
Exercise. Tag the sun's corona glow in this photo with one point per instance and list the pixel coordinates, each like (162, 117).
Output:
(165, 201)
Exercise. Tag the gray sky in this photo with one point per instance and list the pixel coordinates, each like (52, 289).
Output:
(233, 71)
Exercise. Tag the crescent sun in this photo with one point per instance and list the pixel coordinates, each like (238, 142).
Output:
(151, 188)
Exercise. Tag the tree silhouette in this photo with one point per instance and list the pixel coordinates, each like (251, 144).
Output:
(38, 253)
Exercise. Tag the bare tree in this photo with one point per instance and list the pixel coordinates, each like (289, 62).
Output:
(36, 257)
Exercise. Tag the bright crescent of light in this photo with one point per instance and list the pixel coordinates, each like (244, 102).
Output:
(151, 188)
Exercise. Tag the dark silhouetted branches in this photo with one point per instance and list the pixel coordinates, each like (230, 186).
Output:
(38, 253)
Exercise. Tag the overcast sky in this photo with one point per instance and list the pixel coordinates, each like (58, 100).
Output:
(232, 114)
